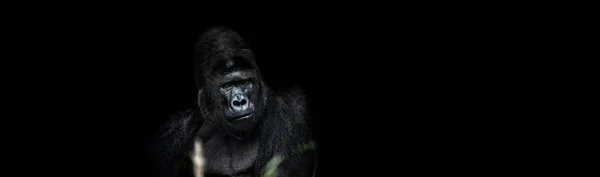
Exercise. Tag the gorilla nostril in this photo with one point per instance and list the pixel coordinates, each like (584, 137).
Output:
(244, 102)
(236, 103)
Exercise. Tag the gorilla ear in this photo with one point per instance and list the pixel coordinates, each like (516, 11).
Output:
(265, 91)
(199, 101)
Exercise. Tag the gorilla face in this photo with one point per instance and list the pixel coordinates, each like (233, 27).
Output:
(237, 90)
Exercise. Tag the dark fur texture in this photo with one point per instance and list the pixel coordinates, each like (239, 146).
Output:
(280, 126)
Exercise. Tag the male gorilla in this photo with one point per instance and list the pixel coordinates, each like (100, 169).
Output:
(241, 123)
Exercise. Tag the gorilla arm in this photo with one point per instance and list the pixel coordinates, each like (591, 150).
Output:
(284, 131)
(173, 141)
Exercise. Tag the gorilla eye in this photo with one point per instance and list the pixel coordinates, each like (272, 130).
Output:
(226, 85)
(246, 82)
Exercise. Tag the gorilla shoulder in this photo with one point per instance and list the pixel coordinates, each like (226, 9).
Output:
(287, 110)
(178, 128)
(183, 120)
(293, 101)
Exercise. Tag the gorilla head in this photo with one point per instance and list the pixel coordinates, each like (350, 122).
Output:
(231, 93)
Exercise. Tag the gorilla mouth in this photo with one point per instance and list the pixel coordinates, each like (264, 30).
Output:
(242, 117)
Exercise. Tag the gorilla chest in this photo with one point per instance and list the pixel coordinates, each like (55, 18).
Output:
(230, 157)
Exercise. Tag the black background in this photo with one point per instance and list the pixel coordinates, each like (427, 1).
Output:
(418, 89)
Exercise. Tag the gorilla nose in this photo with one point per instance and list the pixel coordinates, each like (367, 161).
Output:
(239, 102)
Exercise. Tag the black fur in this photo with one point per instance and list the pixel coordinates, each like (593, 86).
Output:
(280, 126)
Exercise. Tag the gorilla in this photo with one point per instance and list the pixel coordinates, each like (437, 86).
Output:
(242, 124)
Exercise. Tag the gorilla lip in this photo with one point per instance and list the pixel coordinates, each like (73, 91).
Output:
(244, 117)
